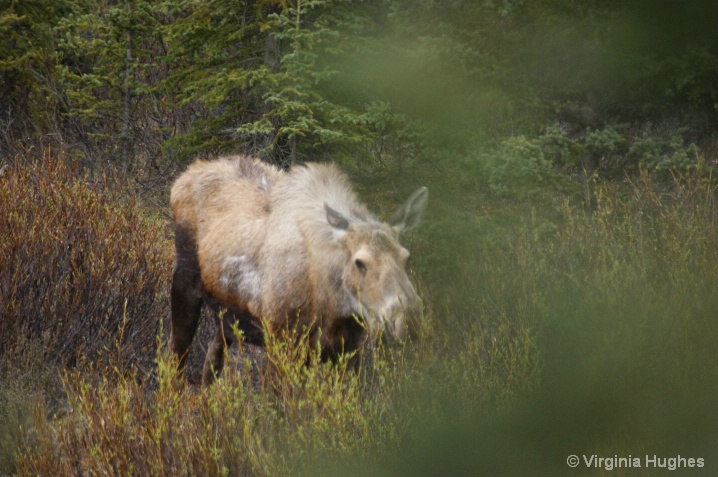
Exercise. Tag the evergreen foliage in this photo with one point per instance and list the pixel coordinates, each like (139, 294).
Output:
(136, 83)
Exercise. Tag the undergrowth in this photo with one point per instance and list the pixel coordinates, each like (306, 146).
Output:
(84, 284)
(569, 331)
(296, 415)
(78, 256)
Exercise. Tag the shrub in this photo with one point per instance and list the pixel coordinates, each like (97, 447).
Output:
(557, 145)
(517, 167)
(616, 149)
(296, 415)
(661, 154)
(81, 264)
(22, 403)
(608, 141)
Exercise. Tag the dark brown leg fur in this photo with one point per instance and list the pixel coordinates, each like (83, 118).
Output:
(186, 295)
(214, 361)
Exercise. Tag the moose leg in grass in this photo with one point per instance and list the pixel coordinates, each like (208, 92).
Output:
(295, 250)
(186, 293)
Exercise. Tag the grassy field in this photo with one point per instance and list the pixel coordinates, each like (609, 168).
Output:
(550, 331)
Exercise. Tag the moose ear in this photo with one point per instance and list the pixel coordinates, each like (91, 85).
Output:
(408, 216)
(335, 219)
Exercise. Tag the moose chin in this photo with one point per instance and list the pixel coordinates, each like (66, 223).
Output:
(292, 250)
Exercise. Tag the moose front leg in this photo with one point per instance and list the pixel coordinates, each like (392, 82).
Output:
(186, 297)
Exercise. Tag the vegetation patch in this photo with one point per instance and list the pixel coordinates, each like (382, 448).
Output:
(84, 265)
(85, 277)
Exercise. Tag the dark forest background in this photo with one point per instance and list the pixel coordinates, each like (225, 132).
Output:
(146, 85)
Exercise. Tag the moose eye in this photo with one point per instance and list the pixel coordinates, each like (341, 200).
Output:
(360, 265)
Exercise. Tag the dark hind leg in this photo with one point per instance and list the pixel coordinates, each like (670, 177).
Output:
(223, 339)
(251, 333)
(186, 296)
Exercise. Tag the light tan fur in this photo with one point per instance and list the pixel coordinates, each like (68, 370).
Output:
(296, 249)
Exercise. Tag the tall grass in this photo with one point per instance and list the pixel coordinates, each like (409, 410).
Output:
(78, 257)
(297, 414)
(563, 332)
(622, 304)
(84, 277)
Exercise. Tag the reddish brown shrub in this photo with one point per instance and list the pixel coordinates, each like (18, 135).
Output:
(82, 268)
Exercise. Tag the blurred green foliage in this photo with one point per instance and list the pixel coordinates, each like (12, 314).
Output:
(517, 167)
(616, 307)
